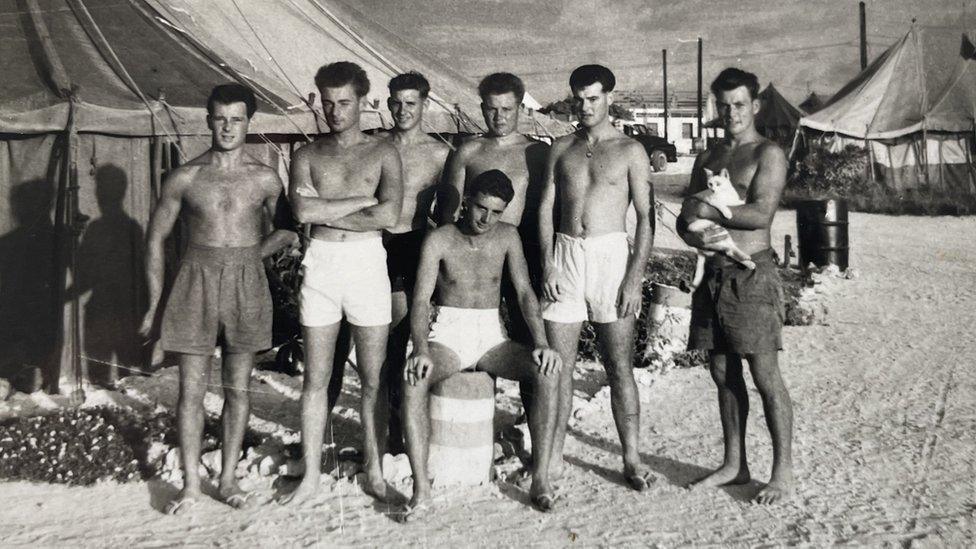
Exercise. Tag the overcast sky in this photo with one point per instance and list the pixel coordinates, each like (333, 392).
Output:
(800, 45)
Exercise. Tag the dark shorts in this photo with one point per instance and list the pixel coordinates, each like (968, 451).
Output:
(518, 329)
(738, 311)
(220, 295)
(403, 258)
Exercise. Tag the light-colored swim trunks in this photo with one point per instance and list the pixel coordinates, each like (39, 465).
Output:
(589, 273)
(470, 333)
(345, 278)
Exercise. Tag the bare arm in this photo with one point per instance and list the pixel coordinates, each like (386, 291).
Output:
(430, 255)
(641, 194)
(384, 213)
(763, 197)
(308, 207)
(277, 237)
(453, 187)
(765, 191)
(547, 204)
(518, 271)
(160, 226)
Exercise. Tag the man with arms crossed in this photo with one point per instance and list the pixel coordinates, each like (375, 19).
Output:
(738, 312)
(220, 294)
(596, 173)
(423, 160)
(347, 185)
(464, 262)
(521, 159)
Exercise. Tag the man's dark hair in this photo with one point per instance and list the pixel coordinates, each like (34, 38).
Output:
(225, 94)
(591, 74)
(492, 183)
(501, 83)
(731, 78)
(412, 80)
(340, 73)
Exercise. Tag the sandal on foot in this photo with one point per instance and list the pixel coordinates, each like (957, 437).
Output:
(180, 506)
(242, 500)
(640, 482)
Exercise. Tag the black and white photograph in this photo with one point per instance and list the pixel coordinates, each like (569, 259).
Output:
(468, 273)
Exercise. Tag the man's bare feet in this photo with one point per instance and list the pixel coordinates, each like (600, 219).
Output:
(183, 503)
(232, 494)
(542, 496)
(723, 476)
(302, 495)
(377, 488)
(638, 478)
(774, 492)
(418, 509)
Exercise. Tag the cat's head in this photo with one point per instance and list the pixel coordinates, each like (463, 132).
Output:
(718, 180)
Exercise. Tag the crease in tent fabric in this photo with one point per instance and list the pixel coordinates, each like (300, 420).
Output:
(393, 67)
(254, 31)
(116, 63)
(235, 74)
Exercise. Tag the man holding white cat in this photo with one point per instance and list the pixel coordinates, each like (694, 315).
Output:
(737, 311)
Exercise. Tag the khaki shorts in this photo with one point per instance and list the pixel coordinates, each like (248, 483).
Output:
(736, 310)
(218, 294)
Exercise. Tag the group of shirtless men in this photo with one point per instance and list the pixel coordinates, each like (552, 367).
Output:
(539, 229)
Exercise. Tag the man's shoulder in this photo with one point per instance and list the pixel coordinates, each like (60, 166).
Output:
(562, 143)
(439, 235)
(769, 151)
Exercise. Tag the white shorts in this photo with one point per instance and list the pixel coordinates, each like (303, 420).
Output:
(589, 272)
(470, 333)
(345, 278)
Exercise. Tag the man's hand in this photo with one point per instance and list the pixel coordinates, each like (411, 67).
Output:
(418, 367)
(629, 298)
(550, 288)
(547, 360)
(147, 323)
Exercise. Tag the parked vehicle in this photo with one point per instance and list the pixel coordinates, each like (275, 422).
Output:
(658, 149)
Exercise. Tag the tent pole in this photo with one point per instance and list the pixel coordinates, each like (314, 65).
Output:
(925, 156)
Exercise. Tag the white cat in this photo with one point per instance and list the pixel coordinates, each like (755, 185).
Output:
(720, 194)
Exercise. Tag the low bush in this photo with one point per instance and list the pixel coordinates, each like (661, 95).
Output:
(822, 174)
(84, 446)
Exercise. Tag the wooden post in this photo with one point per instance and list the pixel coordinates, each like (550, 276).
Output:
(699, 103)
(864, 39)
(664, 57)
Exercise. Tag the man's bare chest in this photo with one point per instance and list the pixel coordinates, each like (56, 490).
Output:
(511, 161)
(224, 195)
(346, 175)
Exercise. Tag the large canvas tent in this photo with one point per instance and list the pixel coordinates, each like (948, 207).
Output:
(778, 118)
(888, 108)
(100, 97)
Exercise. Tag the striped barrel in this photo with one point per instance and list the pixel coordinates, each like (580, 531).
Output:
(462, 408)
(668, 318)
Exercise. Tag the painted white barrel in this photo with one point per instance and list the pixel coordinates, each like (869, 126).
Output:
(461, 409)
(669, 319)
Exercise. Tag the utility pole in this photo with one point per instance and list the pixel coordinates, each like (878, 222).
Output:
(700, 133)
(864, 37)
(664, 56)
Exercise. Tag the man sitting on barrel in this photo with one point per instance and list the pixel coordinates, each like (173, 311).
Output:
(463, 261)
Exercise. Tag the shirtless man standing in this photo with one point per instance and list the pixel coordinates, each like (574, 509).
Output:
(347, 185)
(738, 312)
(596, 173)
(518, 157)
(220, 294)
(423, 160)
(464, 262)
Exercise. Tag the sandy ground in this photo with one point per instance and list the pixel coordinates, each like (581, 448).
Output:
(884, 441)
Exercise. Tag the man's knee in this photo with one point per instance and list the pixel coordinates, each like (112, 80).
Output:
(766, 374)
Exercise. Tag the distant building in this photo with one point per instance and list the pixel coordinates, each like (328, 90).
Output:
(683, 124)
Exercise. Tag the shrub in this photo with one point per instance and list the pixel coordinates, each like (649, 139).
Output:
(822, 174)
